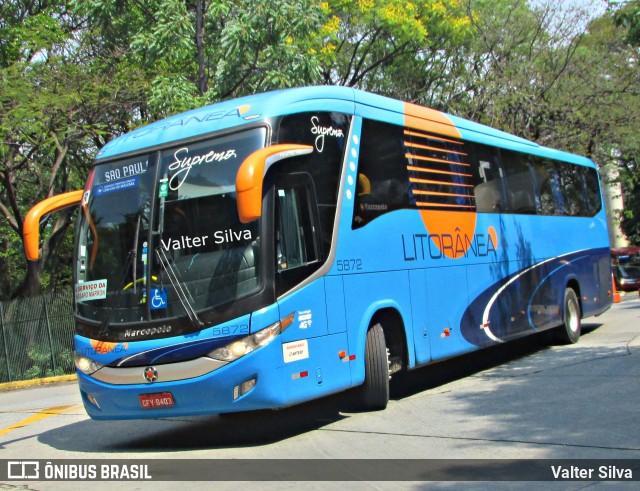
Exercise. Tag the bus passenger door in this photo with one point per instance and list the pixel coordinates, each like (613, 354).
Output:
(298, 255)
(312, 365)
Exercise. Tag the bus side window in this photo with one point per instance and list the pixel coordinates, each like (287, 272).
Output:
(486, 178)
(581, 189)
(382, 172)
(519, 183)
(547, 183)
(593, 191)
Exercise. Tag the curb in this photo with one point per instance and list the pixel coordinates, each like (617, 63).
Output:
(21, 384)
(634, 343)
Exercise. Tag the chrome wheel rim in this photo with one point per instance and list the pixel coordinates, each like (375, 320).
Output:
(573, 316)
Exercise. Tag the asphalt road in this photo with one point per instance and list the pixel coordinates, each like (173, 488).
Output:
(524, 400)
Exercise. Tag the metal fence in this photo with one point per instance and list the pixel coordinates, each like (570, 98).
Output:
(36, 337)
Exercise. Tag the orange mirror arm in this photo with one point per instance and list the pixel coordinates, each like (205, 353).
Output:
(251, 176)
(31, 225)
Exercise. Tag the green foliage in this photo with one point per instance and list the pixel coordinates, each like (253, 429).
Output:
(362, 39)
(61, 97)
(629, 17)
(261, 46)
(247, 46)
(43, 362)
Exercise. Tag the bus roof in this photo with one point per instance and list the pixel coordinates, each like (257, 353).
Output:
(244, 110)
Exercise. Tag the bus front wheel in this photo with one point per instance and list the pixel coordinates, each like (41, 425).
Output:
(375, 390)
(569, 331)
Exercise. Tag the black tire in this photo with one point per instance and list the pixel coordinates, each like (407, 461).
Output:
(569, 332)
(374, 394)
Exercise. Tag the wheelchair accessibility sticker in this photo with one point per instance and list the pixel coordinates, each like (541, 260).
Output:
(158, 298)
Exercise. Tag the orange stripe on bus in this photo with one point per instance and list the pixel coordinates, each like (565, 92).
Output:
(440, 193)
(433, 159)
(430, 120)
(432, 137)
(427, 147)
(442, 183)
(435, 171)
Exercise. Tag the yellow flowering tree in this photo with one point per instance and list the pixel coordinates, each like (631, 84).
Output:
(362, 41)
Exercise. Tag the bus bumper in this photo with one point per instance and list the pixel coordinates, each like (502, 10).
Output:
(259, 380)
(219, 391)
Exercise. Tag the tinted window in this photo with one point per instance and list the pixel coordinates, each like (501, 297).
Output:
(439, 172)
(327, 133)
(406, 168)
(549, 196)
(298, 250)
(513, 182)
(519, 184)
(382, 172)
(487, 184)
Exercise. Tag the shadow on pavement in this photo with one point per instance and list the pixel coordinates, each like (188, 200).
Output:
(266, 427)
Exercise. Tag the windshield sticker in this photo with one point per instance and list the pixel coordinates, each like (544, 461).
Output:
(183, 163)
(297, 350)
(91, 290)
(112, 187)
(322, 132)
(128, 170)
(158, 298)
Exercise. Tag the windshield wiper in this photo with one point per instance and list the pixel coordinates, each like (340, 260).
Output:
(135, 253)
(183, 295)
(131, 262)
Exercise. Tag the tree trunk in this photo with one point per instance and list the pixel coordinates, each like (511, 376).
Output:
(31, 285)
(202, 75)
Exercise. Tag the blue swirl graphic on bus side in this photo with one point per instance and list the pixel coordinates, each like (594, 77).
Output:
(528, 300)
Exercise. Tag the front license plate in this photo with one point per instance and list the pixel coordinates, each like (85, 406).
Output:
(155, 401)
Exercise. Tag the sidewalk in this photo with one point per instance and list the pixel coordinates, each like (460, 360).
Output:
(21, 384)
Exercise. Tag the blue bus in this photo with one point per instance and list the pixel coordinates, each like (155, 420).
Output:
(273, 249)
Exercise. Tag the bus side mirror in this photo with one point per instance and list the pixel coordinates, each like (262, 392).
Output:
(31, 225)
(251, 176)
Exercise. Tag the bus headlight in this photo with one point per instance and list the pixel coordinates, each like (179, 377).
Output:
(246, 345)
(86, 365)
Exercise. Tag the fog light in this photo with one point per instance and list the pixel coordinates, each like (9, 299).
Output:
(243, 388)
(247, 386)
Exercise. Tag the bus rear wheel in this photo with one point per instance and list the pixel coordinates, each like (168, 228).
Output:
(569, 331)
(374, 393)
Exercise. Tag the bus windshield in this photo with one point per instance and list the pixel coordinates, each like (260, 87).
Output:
(159, 234)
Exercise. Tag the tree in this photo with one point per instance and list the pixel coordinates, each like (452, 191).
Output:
(201, 51)
(34, 138)
(375, 44)
(628, 17)
(627, 148)
(57, 104)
